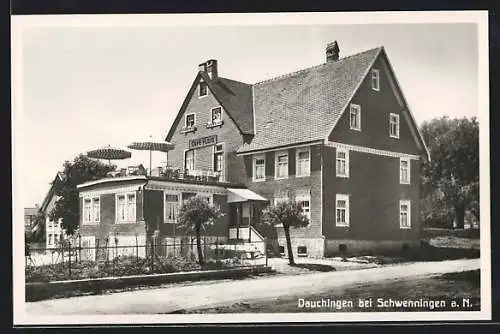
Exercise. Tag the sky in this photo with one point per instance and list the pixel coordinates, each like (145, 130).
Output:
(86, 87)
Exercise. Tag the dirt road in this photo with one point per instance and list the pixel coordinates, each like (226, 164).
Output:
(174, 299)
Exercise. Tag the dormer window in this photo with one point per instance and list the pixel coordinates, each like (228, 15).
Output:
(203, 89)
(355, 117)
(215, 117)
(375, 80)
(394, 125)
(190, 123)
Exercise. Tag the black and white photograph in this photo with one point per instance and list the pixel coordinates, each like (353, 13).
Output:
(250, 168)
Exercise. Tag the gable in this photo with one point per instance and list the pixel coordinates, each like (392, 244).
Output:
(375, 109)
(235, 97)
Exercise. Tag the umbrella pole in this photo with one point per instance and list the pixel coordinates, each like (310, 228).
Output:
(150, 162)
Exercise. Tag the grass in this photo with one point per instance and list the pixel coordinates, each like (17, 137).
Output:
(447, 288)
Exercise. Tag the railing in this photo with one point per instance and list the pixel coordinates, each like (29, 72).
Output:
(170, 173)
(175, 254)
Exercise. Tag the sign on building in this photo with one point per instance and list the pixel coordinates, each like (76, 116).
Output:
(202, 142)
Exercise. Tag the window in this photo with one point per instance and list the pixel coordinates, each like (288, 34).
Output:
(259, 168)
(303, 162)
(394, 125)
(171, 208)
(342, 210)
(56, 238)
(189, 160)
(355, 117)
(190, 121)
(219, 160)
(404, 171)
(305, 202)
(404, 214)
(215, 116)
(126, 207)
(281, 167)
(280, 199)
(375, 80)
(342, 163)
(203, 89)
(50, 241)
(91, 210)
(96, 209)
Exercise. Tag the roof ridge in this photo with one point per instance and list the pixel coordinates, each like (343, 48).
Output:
(287, 75)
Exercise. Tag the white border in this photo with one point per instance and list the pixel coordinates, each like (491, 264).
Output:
(21, 22)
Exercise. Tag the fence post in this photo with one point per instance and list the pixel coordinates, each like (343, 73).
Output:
(173, 252)
(136, 249)
(69, 257)
(265, 249)
(80, 247)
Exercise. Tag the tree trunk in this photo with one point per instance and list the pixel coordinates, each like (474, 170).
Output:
(460, 216)
(198, 246)
(289, 245)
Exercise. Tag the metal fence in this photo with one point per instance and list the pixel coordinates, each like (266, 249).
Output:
(74, 260)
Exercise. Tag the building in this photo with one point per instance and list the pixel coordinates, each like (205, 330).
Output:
(53, 230)
(29, 218)
(338, 137)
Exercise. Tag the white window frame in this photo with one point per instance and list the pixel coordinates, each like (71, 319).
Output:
(254, 167)
(194, 120)
(211, 121)
(179, 195)
(303, 198)
(127, 219)
(88, 212)
(342, 197)
(194, 159)
(391, 115)
(307, 172)
(346, 159)
(215, 151)
(375, 82)
(199, 89)
(276, 164)
(408, 214)
(356, 107)
(408, 168)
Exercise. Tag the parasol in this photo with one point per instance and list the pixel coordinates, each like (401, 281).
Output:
(152, 146)
(109, 153)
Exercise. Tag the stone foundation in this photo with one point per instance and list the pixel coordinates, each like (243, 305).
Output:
(367, 247)
(315, 246)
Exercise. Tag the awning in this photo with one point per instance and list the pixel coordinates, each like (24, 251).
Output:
(243, 195)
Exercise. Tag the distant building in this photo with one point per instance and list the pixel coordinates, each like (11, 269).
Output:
(29, 218)
(53, 230)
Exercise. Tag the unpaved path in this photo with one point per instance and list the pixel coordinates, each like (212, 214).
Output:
(172, 299)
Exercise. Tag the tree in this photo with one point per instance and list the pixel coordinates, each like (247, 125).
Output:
(452, 175)
(288, 214)
(194, 215)
(81, 170)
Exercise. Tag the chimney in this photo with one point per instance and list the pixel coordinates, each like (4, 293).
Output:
(212, 69)
(209, 67)
(332, 52)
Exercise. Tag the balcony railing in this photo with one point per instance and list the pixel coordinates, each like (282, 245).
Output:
(213, 124)
(188, 129)
(171, 173)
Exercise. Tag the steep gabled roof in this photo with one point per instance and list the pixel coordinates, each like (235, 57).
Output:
(51, 193)
(234, 96)
(302, 106)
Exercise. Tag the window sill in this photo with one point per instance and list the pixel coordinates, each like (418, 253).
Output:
(356, 129)
(126, 222)
(405, 227)
(202, 96)
(170, 222)
(407, 183)
(214, 125)
(90, 223)
(342, 176)
(394, 137)
(341, 225)
(188, 130)
(281, 178)
(302, 175)
(258, 180)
